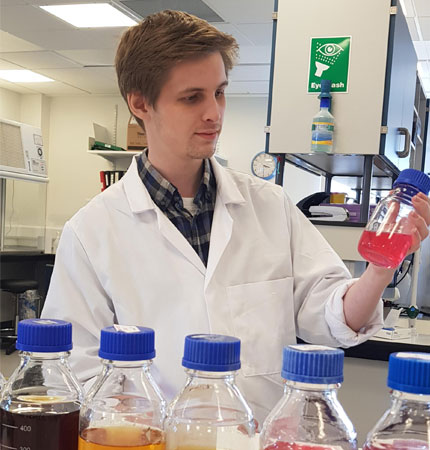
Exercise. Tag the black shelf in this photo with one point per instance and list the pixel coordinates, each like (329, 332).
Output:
(342, 165)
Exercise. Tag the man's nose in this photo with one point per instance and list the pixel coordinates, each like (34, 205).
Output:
(213, 110)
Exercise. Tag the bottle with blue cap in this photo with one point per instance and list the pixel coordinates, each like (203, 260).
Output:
(309, 415)
(124, 408)
(210, 412)
(39, 407)
(323, 122)
(387, 237)
(406, 423)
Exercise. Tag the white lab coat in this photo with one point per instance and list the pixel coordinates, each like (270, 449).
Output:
(270, 276)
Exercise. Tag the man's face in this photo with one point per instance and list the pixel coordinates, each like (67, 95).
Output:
(187, 118)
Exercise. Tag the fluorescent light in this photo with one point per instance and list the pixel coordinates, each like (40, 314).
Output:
(23, 76)
(90, 15)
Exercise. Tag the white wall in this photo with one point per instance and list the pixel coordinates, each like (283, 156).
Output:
(10, 105)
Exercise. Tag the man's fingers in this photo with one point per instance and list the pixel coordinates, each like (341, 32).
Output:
(422, 206)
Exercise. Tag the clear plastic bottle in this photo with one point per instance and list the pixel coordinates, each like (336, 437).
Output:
(2, 382)
(124, 408)
(40, 404)
(309, 415)
(323, 122)
(388, 235)
(210, 412)
(406, 424)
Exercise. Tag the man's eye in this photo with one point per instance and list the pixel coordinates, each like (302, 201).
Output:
(190, 98)
(219, 93)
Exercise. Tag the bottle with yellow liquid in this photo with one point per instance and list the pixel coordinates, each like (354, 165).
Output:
(124, 409)
(39, 406)
(210, 413)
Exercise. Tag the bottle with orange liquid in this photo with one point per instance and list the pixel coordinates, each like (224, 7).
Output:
(124, 409)
(388, 235)
(406, 424)
(309, 415)
(210, 413)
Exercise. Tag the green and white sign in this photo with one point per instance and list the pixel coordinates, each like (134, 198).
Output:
(329, 60)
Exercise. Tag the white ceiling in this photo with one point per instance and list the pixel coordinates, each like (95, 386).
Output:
(81, 60)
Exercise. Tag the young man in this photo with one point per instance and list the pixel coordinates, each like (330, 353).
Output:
(184, 246)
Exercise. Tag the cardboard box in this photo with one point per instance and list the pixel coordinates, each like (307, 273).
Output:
(136, 137)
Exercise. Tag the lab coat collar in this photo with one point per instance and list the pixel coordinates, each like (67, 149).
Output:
(227, 189)
(136, 192)
(140, 200)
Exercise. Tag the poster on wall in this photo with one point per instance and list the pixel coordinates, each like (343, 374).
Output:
(329, 60)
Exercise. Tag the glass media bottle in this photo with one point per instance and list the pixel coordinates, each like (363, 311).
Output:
(2, 382)
(124, 408)
(210, 412)
(406, 424)
(39, 407)
(309, 415)
(388, 235)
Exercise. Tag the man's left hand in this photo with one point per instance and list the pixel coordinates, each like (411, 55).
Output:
(420, 219)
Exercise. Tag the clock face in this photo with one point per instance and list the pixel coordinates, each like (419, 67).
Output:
(264, 165)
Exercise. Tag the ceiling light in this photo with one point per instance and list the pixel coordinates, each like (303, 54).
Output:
(23, 76)
(90, 15)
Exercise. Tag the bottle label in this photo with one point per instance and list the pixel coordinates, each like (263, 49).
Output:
(328, 126)
(310, 348)
(411, 355)
(126, 328)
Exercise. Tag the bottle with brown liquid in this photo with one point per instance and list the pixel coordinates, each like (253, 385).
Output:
(124, 409)
(39, 407)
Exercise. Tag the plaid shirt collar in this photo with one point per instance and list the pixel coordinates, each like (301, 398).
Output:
(165, 195)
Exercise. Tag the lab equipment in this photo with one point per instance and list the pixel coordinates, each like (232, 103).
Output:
(323, 122)
(388, 235)
(210, 412)
(22, 155)
(405, 425)
(40, 404)
(124, 407)
(309, 415)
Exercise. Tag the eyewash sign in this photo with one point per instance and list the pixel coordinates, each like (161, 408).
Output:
(329, 60)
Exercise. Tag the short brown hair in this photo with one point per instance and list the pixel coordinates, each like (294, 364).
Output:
(148, 51)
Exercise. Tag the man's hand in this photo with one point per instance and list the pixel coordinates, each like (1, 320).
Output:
(420, 219)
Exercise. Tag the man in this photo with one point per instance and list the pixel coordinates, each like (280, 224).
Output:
(184, 246)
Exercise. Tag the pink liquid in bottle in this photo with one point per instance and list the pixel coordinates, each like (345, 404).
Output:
(296, 446)
(400, 444)
(384, 249)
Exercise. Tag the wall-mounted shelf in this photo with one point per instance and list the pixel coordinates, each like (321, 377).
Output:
(113, 155)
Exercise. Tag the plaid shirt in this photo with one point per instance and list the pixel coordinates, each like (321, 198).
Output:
(196, 229)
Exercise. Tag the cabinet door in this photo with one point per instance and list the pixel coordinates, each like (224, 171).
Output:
(358, 111)
(399, 89)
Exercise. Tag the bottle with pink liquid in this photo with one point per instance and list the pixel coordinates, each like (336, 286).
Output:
(406, 424)
(309, 415)
(388, 235)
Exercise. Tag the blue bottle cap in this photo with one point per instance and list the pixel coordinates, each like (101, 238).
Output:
(325, 102)
(44, 336)
(409, 372)
(211, 353)
(325, 86)
(414, 178)
(127, 343)
(315, 364)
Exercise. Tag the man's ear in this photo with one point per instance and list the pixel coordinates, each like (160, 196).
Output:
(138, 105)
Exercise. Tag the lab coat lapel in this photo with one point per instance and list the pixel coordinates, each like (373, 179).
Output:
(140, 202)
(177, 240)
(222, 224)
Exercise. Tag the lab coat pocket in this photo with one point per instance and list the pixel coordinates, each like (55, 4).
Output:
(263, 319)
